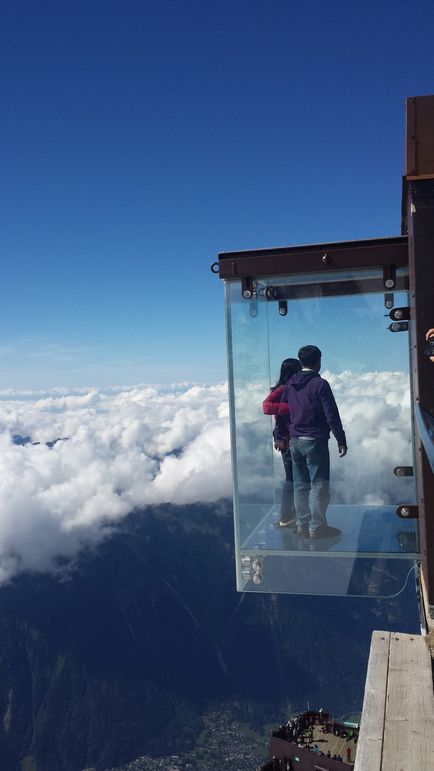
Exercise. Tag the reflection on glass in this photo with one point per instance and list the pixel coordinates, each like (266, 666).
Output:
(366, 366)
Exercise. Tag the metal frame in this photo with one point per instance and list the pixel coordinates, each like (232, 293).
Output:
(418, 222)
(343, 255)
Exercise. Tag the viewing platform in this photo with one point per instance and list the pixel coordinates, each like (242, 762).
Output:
(313, 741)
(397, 725)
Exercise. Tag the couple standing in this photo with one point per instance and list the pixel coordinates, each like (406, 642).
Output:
(305, 412)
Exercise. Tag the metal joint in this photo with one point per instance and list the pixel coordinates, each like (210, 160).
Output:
(247, 287)
(398, 326)
(389, 276)
(400, 314)
(407, 511)
(389, 300)
(270, 293)
(403, 471)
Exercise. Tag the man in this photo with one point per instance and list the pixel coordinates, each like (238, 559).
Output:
(429, 350)
(313, 414)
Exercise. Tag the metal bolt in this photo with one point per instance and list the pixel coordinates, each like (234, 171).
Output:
(247, 294)
(398, 326)
(389, 283)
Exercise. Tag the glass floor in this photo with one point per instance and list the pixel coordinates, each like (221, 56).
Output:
(366, 531)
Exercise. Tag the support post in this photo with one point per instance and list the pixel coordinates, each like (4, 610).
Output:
(418, 201)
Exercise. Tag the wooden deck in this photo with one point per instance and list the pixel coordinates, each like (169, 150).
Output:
(397, 726)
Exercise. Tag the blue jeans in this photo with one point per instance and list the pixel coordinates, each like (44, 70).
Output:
(287, 508)
(311, 472)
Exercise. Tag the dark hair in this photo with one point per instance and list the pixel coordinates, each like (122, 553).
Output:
(309, 355)
(288, 368)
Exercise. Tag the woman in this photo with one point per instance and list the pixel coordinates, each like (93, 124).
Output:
(273, 406)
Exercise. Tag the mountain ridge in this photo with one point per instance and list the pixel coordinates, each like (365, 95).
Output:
(121, 655)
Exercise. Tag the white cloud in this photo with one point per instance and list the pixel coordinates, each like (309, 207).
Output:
(131, 447)
(118, 456)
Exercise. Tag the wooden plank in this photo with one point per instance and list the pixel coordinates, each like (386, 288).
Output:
(370, 744)
(409, 723)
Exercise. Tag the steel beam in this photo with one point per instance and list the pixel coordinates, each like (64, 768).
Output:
(287, 260)
(420, 219)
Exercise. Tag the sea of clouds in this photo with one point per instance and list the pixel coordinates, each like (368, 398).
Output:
(130, 447)
(126, 448)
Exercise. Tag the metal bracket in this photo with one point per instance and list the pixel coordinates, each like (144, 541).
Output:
(407, 511)
(398, 326)
(251, 569)
(389, 276)
(403, 471)
(270, 292)
(389, 300)
(400, 314)
(247, 291)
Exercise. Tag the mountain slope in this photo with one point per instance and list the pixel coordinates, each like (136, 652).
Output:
(121, 655)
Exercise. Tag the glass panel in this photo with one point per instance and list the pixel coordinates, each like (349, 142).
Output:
(366, 364)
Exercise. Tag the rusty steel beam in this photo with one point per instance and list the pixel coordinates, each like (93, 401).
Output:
(344, 255)
(419, 144)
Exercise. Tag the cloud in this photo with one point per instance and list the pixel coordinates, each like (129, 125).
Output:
(130, 447)
(124, 450)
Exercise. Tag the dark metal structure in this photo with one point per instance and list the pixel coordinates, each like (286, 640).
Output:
(345, 255)
(418, 223)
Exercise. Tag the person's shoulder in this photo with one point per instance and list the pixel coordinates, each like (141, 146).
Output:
(323, 384)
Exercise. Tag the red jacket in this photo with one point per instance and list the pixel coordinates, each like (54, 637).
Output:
(272, 404)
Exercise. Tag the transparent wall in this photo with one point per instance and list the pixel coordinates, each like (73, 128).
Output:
(372, 550)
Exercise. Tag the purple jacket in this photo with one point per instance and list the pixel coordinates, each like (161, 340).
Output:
(312, 407)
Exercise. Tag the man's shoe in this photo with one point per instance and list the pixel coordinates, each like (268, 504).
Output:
(302, 531)
(325, 531)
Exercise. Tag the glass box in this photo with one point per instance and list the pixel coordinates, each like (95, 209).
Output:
(365, 359)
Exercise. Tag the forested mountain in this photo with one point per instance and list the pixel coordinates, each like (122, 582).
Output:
(121, 653)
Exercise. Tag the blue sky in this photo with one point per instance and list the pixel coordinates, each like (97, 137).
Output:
(139, 139)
